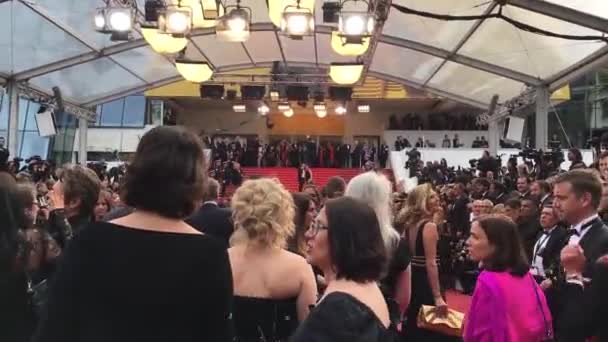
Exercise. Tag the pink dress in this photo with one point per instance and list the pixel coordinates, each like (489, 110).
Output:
(505, 309)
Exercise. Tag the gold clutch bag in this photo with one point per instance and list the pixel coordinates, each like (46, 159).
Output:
(450, 325)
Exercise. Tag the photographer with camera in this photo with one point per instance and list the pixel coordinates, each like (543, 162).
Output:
(413, 160)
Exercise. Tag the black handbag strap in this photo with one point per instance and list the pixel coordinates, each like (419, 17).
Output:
(548, 332)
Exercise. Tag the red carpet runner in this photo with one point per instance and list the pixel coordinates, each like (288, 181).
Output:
(289, 175)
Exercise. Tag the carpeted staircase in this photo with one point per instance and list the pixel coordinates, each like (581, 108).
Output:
(289, 175)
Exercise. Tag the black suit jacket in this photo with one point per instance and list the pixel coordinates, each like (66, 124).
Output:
(555, 244)
(585, 310)
(595, 245)
(458, 217)
(213, 220)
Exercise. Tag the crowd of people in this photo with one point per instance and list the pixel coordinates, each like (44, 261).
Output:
(325, 154)
(435, 122)
(149, 253)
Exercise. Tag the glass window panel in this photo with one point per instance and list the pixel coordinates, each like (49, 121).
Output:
(475, 84)
(36, 41)
(30, 122)
(596, 7)
(439, 33)
(526, 52)
(156, 112)
(6, 34)
(89, 81)
(76, 14)
(146, 63)
(404, 63)
(135, 111)
(222, 53)
(23, 107)
(263, 47)
(4, 112)
(111, 114)
(33, 145)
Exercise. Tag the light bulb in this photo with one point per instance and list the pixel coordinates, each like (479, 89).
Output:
(354, 25)
(100, 21)
(237, 24)
(288, 113)
(297, 24)
(321, 113)
(177, 22)
(120, 21)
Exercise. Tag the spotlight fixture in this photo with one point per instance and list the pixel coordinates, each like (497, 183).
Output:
(113, 19)
(341, 109)
(321, 113)
(297, 22)
(263, 109)
(277, 7)
(176, 21)
(234, 26)
(356, 25)
(194, 71)
(162, 42)
(288, 113)
(285, 106)
(363, 108)
(152, 9)
(342, 46)
(319, 106)
(331, 10)
(345, 73)
(239, 108)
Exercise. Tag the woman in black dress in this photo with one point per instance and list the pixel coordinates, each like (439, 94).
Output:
(422, 236)
(273, 288)
(147, 276)
(346, 243)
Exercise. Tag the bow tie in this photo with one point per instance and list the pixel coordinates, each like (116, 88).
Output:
(573, 231)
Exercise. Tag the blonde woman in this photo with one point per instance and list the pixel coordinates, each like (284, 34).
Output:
(422, 236)
(375, 190)
(273, 288)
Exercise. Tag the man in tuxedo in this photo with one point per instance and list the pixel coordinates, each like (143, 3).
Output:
(304, 176)
(528, 225)
(577, 196)
(585, 307)
(458, 213)
(210, 218)
(523, 186)
(542, 191)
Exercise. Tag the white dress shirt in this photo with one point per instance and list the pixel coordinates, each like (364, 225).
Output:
(537, 260)
(576, 238)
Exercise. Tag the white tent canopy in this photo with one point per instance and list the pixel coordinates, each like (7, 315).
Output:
(53, 43)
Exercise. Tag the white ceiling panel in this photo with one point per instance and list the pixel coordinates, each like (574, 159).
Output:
(498, 42)
(404, 63)
(298, 50)
(88, 81)
(595, 7)
(475, 84)
(6, 34)
(439, 33)
(222, 53)
(146, 63)
(263, 47)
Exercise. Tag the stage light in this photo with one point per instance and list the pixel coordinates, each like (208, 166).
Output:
(263, 109)
(331, 10)
(239, 108)
(298, 22)
(277, 7)
(205, 13)
(274, 95)
(162, 42)
(194, 71)
(176, 21)
(341, 110)
(234, 27)
(321, 113)
(288, 113)
(152, 9)
(356, 24)
(343, 47)
(345, 73)
(100, 21)
(319, 106)
(363, 108)
(284, 107)
(120, 19)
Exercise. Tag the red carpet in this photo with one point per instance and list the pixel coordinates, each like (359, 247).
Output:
(289, 175)
(458, 301)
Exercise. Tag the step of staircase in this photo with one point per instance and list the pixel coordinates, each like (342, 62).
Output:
(289, 176)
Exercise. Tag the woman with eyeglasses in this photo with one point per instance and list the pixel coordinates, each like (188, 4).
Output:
(345, 242)
(273, 288)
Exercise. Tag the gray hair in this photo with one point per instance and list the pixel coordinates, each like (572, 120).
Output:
(376, 190)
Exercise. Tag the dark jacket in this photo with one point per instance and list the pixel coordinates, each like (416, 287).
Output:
(553, 248)
(62, 229)
(585, 310)
(213, 220)
(595, 245)
(458, 216)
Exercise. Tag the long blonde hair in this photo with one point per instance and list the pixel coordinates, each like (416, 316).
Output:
(416, 206)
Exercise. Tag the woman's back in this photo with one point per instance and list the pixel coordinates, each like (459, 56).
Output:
(273, 290)
(124, 284)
